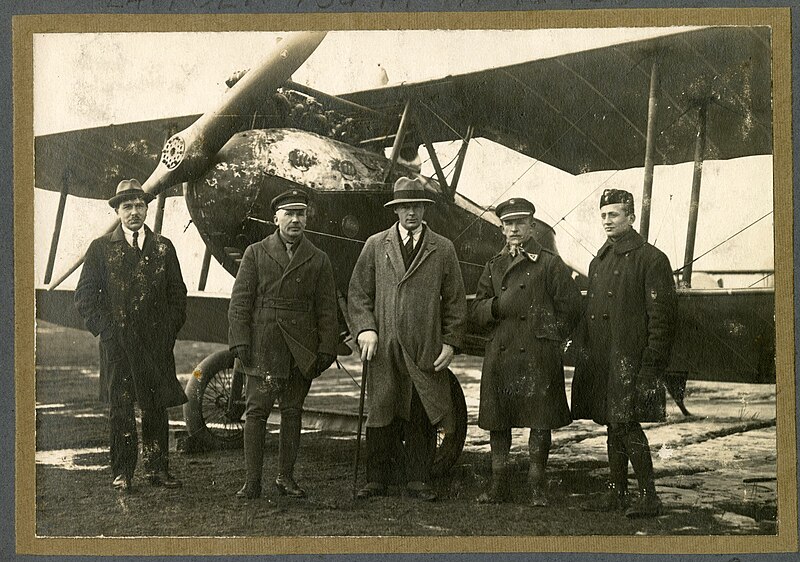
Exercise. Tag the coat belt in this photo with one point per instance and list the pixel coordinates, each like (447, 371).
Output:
(286, 304)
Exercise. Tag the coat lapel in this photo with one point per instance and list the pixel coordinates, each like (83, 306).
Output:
(391, 244)
(276, 250)
(302, 253)
(531, 254)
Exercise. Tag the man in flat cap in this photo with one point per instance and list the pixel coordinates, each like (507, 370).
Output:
(284, 332)
(527, 299)
(623, 349)
(131, 294)
(407, 308)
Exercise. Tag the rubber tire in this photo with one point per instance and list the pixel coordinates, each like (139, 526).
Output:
(193, 414)
(449, 449)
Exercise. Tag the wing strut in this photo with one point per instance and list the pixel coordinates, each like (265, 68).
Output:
(650, 148)
(62, 203)
(398, 139)
(462, 154)
(201, 285)
(691, 232)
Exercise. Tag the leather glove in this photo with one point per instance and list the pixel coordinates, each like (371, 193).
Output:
(243, 353)
(324, 360)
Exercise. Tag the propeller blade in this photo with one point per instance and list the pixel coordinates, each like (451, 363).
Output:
(187, 154)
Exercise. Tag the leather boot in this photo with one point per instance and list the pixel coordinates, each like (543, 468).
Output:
(291, 423)
(254, 432)
(648, 504)
(498, 491)
(539, 450)
(615, 497)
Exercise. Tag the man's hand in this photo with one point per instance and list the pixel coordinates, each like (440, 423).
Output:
(243, 353)
(368, 343)
(444, 357)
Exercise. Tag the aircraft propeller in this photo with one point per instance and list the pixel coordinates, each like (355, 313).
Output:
(188, 153)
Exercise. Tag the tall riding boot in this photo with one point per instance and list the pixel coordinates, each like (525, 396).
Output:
(648, 504)
(615, 497)
(291, 423)
(538, 449)
(254, 431)
(500, 443)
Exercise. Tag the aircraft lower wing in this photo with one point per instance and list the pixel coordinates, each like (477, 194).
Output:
(722, 335)
(564, 110)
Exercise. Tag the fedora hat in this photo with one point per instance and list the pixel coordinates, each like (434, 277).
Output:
(407, 190)
(129, 189)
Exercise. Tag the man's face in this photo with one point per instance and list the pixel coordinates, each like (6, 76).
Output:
(616, 220)
(410, 214)
(517, 230)
(291, 223)
(132, 213)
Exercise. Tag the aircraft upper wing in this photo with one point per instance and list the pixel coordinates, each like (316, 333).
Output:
(93, 161)
(588, 111)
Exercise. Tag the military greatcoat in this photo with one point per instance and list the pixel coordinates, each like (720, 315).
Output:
(414, 312)
(285, 310)
(140, 301)
(538, 305)
(626, 334)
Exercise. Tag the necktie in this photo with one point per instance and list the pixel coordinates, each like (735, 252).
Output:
(289, 250)
(410, 244)
(136, 242)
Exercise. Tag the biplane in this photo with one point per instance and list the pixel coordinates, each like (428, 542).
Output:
(682, 96)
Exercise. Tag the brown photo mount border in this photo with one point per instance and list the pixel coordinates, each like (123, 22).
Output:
(24, 27)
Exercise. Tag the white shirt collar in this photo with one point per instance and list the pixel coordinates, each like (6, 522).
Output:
(404, 233)
(129, 236)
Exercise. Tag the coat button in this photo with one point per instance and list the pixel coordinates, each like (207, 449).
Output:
(522, 350)
(503, 288)
(523, 317)
(611, 293)
(294, 321)
(298, 279)
(616, 272)
(502, 348)
(522, 285)
(605, 316)
(591, 317)
(591, 295)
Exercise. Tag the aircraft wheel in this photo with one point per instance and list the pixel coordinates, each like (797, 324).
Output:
(449, 446)
(206, 411)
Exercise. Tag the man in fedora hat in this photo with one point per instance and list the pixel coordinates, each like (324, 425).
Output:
(623, 347)
(527, 298)
(283, 330)
(131, 293)
(407, 308)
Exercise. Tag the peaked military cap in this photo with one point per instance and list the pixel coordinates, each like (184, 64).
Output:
(611, 196)
(129, 189)
(514, 208)
(407, 190)
(291, 199)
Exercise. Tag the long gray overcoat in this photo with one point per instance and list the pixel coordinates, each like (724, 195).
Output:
(414, 312)
(283, 309)
(538, 306)
(140, 302)
(625, 335)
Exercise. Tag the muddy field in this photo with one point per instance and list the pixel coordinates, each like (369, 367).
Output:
(715, 471)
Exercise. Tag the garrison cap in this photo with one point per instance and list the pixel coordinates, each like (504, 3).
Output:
(129, 189)
(291, 199)
(407, 190)
(611, 196)
(515, 208)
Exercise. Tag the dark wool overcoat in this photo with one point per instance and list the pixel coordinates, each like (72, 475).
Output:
(139, 301)
(625, 335)
(285, 310)
(414, 312)
(538, 306)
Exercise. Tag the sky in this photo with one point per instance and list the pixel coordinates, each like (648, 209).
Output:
(87, 80)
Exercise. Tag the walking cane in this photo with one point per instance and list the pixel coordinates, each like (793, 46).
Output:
(364, 369)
